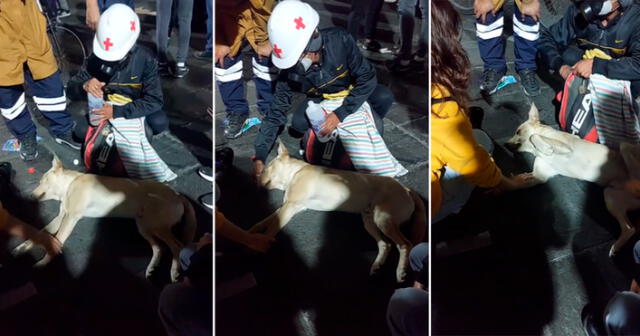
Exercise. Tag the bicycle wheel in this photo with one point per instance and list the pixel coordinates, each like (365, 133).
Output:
(465, 7)
(68, 50)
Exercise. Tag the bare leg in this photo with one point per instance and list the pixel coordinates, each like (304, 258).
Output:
(383, 246)
(277, 220)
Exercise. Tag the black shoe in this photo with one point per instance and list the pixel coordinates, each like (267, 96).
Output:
(206, 173)
(529, 82)
(207, 200)
(5, 175)
(29, 148)
(224, 158)
(204, 55)
(490, 80)
(399, 65)
(163, 70)
(68, 140)
(179, 71)
(371, 45)
(233, 126)
(590, 323)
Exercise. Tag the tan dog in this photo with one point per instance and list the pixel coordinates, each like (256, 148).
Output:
(384, 203)
(561, 153)
(155, 206)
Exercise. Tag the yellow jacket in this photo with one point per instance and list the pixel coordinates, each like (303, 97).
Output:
(237, 20)
(23, 38)
(453, 146)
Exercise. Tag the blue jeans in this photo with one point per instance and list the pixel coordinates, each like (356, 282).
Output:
(408, 312)
(231, 85)
(104, 4)
(48, 94)
(209, 45)
(406, 11)
(455, 189)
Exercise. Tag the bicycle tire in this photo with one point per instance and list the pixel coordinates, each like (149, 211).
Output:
(68, 50)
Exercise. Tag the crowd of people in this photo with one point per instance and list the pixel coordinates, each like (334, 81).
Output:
(592, 37)
(125, 78)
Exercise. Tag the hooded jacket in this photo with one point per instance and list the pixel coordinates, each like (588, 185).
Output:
(342, 67)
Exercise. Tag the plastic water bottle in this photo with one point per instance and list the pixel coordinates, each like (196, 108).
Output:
(94, 104)
(317, 116)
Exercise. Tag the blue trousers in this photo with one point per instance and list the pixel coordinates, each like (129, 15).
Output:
(50, 99)
(491, 43)
(209, 45)
(231, 86)
(408, 312)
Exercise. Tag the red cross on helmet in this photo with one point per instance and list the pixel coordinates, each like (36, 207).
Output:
(118, 31)
(290, 27)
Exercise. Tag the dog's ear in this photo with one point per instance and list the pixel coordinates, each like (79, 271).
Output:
(547, 146)
(282, 149)
(56, 164)
(534, 115)
(631, 157)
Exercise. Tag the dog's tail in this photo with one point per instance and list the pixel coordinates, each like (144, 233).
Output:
(189, 225)
(418, 219)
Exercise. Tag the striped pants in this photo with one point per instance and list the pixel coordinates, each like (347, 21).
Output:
(231, 86)
(49, 96)
(491, 43)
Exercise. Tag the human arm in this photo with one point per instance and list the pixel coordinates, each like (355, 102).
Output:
(151, 100)
(256, 241)
(92, 14)
(17, 228)
(275, 119)
(623, 68)
(555, 39)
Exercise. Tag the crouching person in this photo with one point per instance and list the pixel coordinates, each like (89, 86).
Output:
(125, 76)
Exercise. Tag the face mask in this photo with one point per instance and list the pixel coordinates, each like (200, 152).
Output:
(306, 63)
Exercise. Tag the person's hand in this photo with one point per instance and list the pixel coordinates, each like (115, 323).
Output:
(260, 242)
(204, 240)
(94, 86)
(329, 125)
(258, 168)
(583, 68)
(50, 243)
(531, 9)
(105, 113)
(264, 50)
(481, 8)
(222, 51)
(418, 285)
(92, 16)
(515, 182)
(565, 71)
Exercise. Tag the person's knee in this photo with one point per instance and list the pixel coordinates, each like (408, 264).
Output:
(483, 140)
(417, 256)
(622, 313)
(381, 100)
(407, 311)
(185, 255)
(636, 252)
(158, 122)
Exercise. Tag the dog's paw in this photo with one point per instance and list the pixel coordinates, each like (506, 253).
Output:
(175, 275)
(400, 275)
(614, 249)
(23, 248)
(149, 272)
(374, 269)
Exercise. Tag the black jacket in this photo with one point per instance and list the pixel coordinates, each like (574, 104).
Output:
(341, 65)
(136, 78)
(566, 40)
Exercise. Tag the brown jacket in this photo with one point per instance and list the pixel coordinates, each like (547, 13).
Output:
(23, 38)
(238, 19)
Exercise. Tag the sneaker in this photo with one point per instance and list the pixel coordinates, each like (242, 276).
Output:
(63, 13)
(29, 148)
(206, 173)
(163, 70)
(67, 139)
(233, 126)
(371, 45)
(399, 65)
(529, 82)
(207, 200)
(179, 71)
(204, 55)
(490, 80)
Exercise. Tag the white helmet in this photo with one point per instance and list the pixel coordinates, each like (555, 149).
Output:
(290, 28)
(118, 30)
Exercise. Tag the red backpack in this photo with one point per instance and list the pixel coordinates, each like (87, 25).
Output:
(100, 152)
(576, 112)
